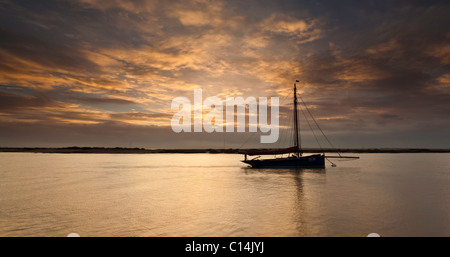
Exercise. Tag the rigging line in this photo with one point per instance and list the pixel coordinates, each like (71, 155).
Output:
(282, 141)
(284, 99)
(309, 124)
(281, 137)
(330, 162)
(289, 116)
(291, 126)
(248, 138)
(287, 129)
(332, 146)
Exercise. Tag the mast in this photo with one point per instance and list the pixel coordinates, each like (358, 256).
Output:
(296, 135)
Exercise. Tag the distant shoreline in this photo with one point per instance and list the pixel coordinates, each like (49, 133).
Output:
(124, 150)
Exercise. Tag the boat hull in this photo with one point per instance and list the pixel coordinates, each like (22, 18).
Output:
(311, 161)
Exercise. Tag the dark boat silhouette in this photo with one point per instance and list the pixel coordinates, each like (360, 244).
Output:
(296, 159)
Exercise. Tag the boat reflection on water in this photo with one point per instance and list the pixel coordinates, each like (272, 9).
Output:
(299, 192)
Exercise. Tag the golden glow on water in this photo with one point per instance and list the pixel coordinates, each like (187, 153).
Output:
(216, 195)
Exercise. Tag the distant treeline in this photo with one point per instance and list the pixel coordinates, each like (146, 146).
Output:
(76, 149)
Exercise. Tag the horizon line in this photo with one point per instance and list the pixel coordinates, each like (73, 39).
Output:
(100, 149)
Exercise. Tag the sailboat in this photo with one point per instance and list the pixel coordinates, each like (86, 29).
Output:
(296, 159)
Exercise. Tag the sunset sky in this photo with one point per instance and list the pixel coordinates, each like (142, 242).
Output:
(104, 72)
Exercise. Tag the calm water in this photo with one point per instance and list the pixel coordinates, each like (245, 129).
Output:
(216, 195)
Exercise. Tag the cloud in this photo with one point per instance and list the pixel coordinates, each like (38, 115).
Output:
(139, 118)
(306, 30)
(111, 64)
(98, 100)
(441, 51)
(10, 102)
(135, 6)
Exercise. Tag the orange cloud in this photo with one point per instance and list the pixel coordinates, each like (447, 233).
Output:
(132, 6)
(441, 51)
(306, 30)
